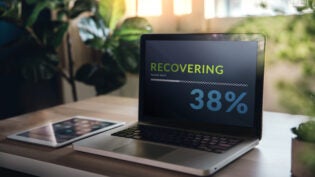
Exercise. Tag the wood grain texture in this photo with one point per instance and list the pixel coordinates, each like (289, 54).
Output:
(114, 108)
(270, 158)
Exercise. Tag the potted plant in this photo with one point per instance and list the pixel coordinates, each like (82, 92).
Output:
(303, 150)
(30, 65)
(44, 25)
(118, 42)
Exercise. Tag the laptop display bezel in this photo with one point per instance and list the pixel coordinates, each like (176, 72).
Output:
(255, 131)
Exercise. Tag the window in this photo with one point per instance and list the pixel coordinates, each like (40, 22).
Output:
(182, 7)
(144, 7)
(241, 8)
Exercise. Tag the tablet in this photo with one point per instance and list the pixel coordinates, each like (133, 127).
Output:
(64, 132)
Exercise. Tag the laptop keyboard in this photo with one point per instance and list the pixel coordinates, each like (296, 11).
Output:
(188, 139)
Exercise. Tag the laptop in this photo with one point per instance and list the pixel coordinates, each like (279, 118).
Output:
(200, 103)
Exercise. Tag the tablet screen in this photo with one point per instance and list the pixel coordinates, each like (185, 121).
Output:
(66, 130)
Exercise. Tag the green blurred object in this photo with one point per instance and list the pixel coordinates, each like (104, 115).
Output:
(290, 39)
(305, 131)
(118, 43)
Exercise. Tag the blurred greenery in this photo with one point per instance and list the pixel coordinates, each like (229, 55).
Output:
(289, 39)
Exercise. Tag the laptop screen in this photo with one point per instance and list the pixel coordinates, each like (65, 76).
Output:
(201, 79)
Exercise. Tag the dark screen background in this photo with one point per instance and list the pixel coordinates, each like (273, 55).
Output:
(171, 100)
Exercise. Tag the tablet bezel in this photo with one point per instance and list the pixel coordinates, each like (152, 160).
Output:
(16, 136)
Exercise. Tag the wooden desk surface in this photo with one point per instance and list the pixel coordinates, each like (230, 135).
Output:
(270, 158)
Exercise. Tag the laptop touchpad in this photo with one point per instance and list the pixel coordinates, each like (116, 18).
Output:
(141, 149)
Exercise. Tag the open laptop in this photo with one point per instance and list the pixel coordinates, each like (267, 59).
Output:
(200, 103)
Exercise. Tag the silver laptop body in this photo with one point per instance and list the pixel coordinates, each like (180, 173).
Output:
(205, 83)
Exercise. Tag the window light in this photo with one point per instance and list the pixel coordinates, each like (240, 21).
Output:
(182, 7)
(149, 7)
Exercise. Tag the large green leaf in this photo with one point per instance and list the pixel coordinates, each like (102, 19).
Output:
(39, 66)
(112, 11)
(34, 62)
(10, 9)
(93, 32)
(127, 52)
(81, 6)
(41, 5)
(31, 1)
(132, 28)
(58, 33)
(128, 55)
(50, 33)
(104, 77)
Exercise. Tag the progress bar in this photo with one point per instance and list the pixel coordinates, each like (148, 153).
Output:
(200, 82)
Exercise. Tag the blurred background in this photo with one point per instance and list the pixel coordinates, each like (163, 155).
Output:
(93, 34)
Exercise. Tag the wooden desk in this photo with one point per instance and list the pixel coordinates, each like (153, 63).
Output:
(270, 158)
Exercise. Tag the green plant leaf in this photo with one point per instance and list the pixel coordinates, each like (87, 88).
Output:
(31, 1)
(305, 131)
(36, 11)
(127, 50)
(132, 28)
(128, 55)
(112, 11)
(81, 6)
(39, 67)
(105, 78)
(10, 9)
(34, 62)
(58, 33)
(86, 73)
(93, 32)
(50, 33)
